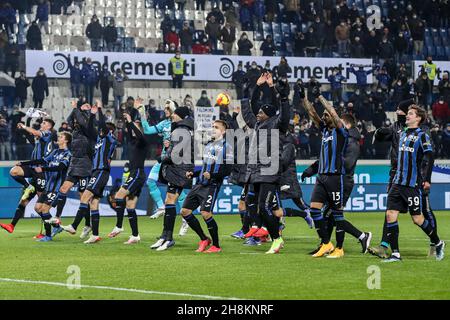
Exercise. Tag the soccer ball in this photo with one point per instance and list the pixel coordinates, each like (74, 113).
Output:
(223, 99)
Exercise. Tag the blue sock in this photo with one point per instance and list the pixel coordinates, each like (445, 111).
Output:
(95, 221)
(155, 193)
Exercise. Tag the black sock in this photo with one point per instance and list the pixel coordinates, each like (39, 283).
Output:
(290, 212)
(351, 229)
(21, 180)
(392, 234)
(195, 225)
(213, 231)
(18, 215)
(430, 232)
(247, 222)
(47, 226)
(60, 203)
(120, 209)
(252, 210)
(169, 221)
(95, 221)
(81, 213)
(329, 222)
(340, 232)
(385, 237)
(319, 222)
(132, 217)
(300, 203)
(87, 217)
(242, 215)
(271, 222)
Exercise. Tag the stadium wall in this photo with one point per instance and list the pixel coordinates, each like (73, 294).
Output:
(369, 193)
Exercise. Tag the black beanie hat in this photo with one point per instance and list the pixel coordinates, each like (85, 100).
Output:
(404, 105)
(269, 110)
(182, 112)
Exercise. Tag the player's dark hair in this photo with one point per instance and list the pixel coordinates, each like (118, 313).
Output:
(50, 121)
(67, 136)
(350, 119)
(223, 123)
(111, 126)
(420, 112)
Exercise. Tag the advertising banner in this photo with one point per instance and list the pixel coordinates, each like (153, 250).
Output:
(155, 66)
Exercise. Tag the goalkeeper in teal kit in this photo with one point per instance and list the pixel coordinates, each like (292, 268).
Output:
(163, 128)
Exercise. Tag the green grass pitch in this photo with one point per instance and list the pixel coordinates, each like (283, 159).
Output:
(238, 272)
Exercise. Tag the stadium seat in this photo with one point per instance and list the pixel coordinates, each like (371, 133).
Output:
(430, 51)
(440, 53)
(447, 52)
(276, 28)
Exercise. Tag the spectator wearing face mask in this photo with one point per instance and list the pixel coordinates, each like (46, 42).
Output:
(185, 36)
(312, 42)
(336, 80)
(204, 100)
(379, 116)
(238, 80)
(244, 45)
(441, 111)
(212, 29)
(444, 87)
(253, 73)
(94, 31)
(40, 88)
(177, 70)
(417, 34)
(446, 141)
(22, 83)
(268, 47)
(75, 77)
(172, 38)
(383, 79)
(361, 76)
(110, 36)
(401, 46)
(105, 82)
(282, 70)
(342, 33)
(118, 81)
(423, 89)
(227, 37)
(356, 48)
(89, 74)
(187, 102)
(34, 37)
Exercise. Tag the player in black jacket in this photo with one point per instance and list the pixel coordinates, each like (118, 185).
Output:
(129, 192)
(101, 167)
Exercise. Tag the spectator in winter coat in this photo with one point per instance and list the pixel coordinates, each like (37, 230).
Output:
(299, 44)
(336, 79)
(204, 100)
(268, 47)
(110, 36)
(253, 73)
(244, 45)
(400, 46)
(172, 38)
(282, 70)
(228, 37)
(444, 87)
(89, 76)
(40, 88)
(42, 15)
(75, 77)
(361, 76)
(12, 53)
(118, 81)
(212, 29)
(231, 16)
(22, 85)
(385, 50)
(312, 42)
(356, 49)
(34, 39)
(245, 17)
(238, 78)
(5, 148)
(383, 79)
(441, 111)
(342, 33)
(94, 32)
(105, 84)
(186, 40)
(423, 88)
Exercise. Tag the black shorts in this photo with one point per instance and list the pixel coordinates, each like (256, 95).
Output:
(48, 197)
(82, 182)
(404, 199)
(329, 189)
(98, 182)
(202, 196)
(38, 180)
(173, 189)
(135, 182)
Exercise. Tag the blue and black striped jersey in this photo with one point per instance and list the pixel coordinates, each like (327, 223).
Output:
(43, 145)
(413, 144)
(332, 150)
(104, 151)
(217, 160)
(55, 168)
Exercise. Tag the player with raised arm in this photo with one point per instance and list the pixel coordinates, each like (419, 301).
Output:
(405, 193)
(80, 167)
(54, 166)
(101, 168)
(174, 165)
(329, 187)
(129, 192)
(44, 144)
(264, 184)
(217, 164)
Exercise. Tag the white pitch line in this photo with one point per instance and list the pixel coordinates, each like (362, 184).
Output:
(179, 294)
